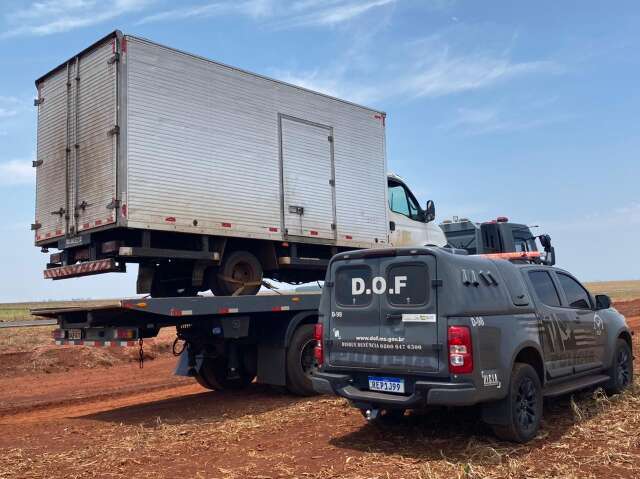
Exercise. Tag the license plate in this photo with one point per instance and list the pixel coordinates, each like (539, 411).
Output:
(387, 385)
(74, 334)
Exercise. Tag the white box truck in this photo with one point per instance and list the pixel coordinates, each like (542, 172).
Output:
(207, 176)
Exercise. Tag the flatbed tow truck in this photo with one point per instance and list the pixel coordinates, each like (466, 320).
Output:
(223, 342)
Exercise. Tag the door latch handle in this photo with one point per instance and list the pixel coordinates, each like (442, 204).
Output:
(391, 317)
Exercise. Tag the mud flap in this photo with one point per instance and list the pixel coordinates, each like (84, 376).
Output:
(184, 369)
(496, 413)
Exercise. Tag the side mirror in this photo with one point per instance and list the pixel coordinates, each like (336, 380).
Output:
(603, 301)
(429, 211)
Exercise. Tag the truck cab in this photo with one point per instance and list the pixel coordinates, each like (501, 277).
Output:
(407, 328)
(409, 224)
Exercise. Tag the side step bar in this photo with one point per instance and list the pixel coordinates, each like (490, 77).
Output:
(575, 385)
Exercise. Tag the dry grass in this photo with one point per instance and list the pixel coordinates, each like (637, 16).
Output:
(617, 290)
(20, 311)
(588, 436)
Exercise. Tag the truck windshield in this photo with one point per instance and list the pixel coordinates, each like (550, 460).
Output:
(523, 241)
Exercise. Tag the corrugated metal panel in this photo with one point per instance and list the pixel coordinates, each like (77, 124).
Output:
(51, 175)
(78, 167)
(203, 149)
(307, 175)
(95, 165)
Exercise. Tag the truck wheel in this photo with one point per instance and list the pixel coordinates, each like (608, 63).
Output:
(242, 271)
(523, 406)
(301, 363)
(213, 374)
(621, 370)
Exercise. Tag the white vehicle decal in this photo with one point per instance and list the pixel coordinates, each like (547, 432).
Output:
(378, 285)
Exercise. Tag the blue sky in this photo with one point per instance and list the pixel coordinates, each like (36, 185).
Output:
(529, 110)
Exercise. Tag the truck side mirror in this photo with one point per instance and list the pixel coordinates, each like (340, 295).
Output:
(429, 211)
(603, 301)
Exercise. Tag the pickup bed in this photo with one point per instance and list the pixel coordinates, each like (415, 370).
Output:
(409, 328)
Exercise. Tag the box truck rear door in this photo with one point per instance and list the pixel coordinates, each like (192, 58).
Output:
(94, 172)
(307, 179)
(76, 152)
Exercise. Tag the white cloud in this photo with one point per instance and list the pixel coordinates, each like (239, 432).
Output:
(478, 121)
(422, 69)
(17, 172)
(250, 8)
(335, 13)
(447, 74)
(6, 113)
(56, 16)
(285, 14)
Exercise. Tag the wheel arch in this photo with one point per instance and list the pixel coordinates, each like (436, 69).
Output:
(529, 353)
(305, 317)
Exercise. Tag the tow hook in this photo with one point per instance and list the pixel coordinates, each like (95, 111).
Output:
(372, 414)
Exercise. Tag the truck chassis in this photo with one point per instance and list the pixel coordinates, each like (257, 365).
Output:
(226, 342)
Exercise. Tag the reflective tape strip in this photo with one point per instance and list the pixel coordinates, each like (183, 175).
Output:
(96, 344)
(228, 310)
(280, 308)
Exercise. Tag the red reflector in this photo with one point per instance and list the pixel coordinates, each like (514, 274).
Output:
(57, 334)
(460, 350)
(318, 351)
(348, 237)
(125, 333)
(226, 225)
(273, 230)
(175, 312)
(313, 233)
(502, 219)
(170, 219)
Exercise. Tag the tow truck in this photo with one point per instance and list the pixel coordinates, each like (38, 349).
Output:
(224, 342)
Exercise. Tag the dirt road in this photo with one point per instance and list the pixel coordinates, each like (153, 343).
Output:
(122, 421)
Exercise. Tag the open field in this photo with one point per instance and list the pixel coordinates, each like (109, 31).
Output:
(618, 290)
(83, 412)
(20, 311)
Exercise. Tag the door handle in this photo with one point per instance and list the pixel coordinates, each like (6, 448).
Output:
(391, 317)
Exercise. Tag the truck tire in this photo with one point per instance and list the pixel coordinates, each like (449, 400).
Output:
(213, 374)
(522, 406)
(300, 361)
(240, 271)
(621, 370)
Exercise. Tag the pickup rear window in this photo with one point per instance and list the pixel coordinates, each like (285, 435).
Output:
(407, 284)
(352, 283)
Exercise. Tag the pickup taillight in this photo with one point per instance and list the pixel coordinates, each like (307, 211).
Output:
(460, 350)
(318, 351)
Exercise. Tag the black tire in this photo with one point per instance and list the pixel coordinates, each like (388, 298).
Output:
(301, 362)
(522, 406)
(213, 374)
(211, 278)
(621, 370)
(239, 269)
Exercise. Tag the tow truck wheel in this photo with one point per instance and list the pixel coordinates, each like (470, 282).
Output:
(214, 374)
(522, 406)
(301, 363)
(621, 371)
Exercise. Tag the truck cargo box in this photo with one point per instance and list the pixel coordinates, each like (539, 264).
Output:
(132, 134)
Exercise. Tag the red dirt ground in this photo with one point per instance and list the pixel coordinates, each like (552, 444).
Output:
(123, 421)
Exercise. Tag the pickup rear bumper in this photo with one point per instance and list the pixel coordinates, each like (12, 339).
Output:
(426, 393)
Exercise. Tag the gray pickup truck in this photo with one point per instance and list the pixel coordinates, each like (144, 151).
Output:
(409, 328)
